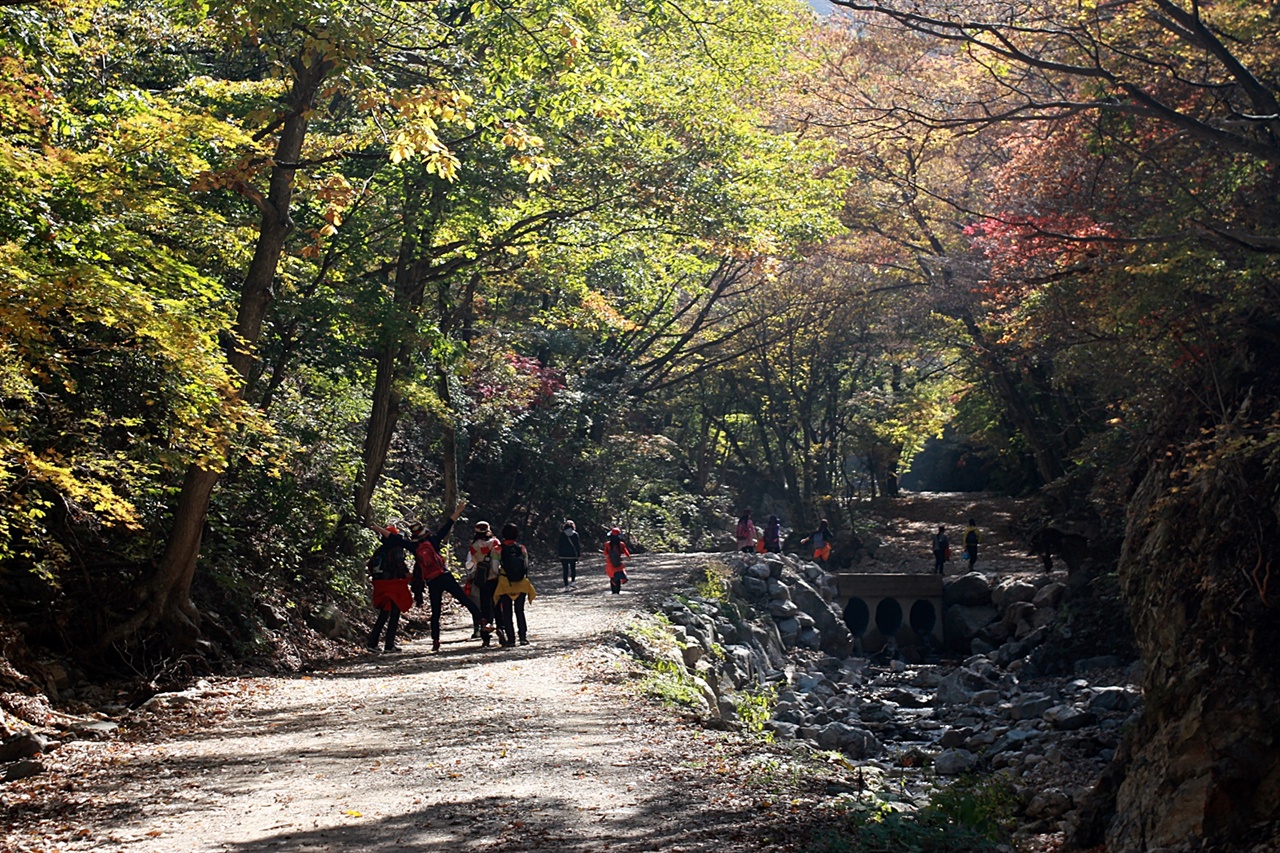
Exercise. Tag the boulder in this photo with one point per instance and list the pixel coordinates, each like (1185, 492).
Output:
(1049, 595)
(1068, 718)
(968, 590)
(1032, 706)
(1012, 591)
(962, 622)
(855, 742)
(954, 762)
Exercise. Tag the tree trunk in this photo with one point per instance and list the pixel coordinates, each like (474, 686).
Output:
(168, 593)
(384, 412)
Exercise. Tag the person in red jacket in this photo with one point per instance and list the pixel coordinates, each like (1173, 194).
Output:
(431, 574)
(614, 552)
(390, 575)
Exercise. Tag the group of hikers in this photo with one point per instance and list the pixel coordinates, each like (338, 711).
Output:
(942, 546)
(497, 583)
(748, 538)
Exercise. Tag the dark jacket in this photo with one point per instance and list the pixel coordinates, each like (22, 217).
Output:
(570, 547)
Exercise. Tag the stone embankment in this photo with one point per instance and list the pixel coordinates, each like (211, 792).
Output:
(982, 704)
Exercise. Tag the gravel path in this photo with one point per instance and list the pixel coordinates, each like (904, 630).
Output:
(544, 747)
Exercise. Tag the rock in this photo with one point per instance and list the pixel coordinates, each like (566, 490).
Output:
(958, 687)
(24, 769)
(692, 654)
(754, 588)
(962, 622)
(953, 762)
(1013, 591)
(25, 744)
(778, 590)
(855, 742)
(782, 729)
(955, 738)
(329, 621)
(1049, 595)
(783, 608)
(1049, 804)
(968, 590)
(789, 630)
(1108, 700)
(758, 571)
(1017, 618)
(1032, 707)
(1067, 718)
(271, 617)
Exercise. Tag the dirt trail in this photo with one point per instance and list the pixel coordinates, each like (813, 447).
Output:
(537, 748)
(531, 748)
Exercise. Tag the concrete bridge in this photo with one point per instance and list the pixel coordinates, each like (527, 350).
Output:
(906, 608)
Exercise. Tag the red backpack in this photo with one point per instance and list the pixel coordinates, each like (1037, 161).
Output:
(430, 563)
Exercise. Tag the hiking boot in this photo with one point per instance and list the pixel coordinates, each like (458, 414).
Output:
(391, 649)
(435, 645)
(523, 641)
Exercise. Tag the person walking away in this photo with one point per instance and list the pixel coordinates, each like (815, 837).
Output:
(483, 558)
(431, 573)
(971, 543)
(513, 588)
(615, 552)
(390, 575)
(773, 535)
(570, 549)
(746, 532)
(820, 540)
(941, 550)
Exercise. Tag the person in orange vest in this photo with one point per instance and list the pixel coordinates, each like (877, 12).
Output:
(820, 539)
(614, 566)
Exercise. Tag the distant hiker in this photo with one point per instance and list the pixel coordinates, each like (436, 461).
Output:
(941, 550)
(615, 550)
(773, 535)
(570, 549)
(390, 576)
(513, 588)
(820, 539)
(482, 557)
(971, 543)
(746, 532)
(431, 573)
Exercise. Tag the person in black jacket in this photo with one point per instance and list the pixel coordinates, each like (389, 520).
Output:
(430, 574)
(570, 549)
(390, 577)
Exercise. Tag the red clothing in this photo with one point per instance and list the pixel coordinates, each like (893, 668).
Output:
(609, 566)
(388, 592)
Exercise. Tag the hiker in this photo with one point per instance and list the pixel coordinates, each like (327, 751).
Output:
(614, 566)
(820, 539)
(746, 533)
(390, 575)
(941, 550)
(513, 588)
(570, 549)
(773, 535)
(431, 573)
(971, 543)
(482, 558)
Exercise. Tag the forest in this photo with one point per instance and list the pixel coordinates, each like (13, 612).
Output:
(274, 270)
